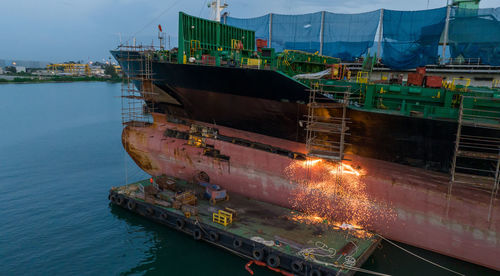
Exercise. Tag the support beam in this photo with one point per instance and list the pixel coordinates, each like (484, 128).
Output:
(322, 33)
(445, 38)
(270, 29)
(380, 30)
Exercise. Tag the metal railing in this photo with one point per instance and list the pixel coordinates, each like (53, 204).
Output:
(459, 61)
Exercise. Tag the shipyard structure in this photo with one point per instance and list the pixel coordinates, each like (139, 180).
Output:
(416, 160)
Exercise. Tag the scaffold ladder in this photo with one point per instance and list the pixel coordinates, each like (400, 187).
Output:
(476, 160)
(137, 86)
(327, 121)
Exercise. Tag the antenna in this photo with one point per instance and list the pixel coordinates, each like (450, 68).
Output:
(161, 36)
(217, 8)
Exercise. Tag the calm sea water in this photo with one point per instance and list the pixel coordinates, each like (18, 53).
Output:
(60, 152)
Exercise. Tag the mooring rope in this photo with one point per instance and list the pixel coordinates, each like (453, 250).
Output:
(353, 268)
(422, 258)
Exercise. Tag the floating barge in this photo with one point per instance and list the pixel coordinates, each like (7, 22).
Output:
(266, 233)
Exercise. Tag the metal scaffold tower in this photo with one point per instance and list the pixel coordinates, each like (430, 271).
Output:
(137, 86)
(476, 161)
(327, 121)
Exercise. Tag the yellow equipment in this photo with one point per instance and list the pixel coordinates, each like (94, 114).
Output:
(195, 46)
(495, 84)
(362, 77)
(250, 61)
(222, 217)
(340, 72)
(453, 85)
(236, 44)
(72, 68)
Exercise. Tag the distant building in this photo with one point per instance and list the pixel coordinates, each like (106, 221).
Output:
(1, 71)
(97, 70)
(20, 69)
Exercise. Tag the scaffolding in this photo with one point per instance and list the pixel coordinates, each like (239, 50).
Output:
(476, 160)
(137, 86)
(327, 121)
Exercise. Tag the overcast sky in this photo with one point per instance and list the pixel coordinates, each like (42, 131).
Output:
(62, 30)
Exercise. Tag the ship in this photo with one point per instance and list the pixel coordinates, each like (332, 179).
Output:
(225, 108)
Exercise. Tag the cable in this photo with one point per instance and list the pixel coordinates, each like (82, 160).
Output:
(422, 258)
(348, 267)
(204, 6)
(154, 19)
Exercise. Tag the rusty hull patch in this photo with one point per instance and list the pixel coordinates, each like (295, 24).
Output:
(141, 158)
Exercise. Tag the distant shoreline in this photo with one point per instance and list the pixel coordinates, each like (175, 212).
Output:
(24, 80)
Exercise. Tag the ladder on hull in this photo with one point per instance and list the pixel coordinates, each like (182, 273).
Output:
(476, 160)
(327, 121)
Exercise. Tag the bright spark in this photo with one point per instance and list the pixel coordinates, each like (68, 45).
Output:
(333, 193)
(310, 162)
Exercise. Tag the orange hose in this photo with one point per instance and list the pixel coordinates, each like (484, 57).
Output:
(259, 263)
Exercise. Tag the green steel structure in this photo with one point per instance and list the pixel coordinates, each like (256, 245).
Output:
(198, 37)
(206, 42)
(417, 101)
(467, 4)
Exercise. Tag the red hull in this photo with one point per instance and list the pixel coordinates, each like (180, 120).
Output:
(424, 216)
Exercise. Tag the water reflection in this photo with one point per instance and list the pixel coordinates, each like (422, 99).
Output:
(168, 252)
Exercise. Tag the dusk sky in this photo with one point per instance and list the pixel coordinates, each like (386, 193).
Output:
(62, 30)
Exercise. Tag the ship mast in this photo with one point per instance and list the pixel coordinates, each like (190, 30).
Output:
(216, 9)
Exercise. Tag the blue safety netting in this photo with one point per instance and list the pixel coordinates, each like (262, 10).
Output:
(258, 24)
(348, 36)
(411, 38)
(296, 32)
(475, 34)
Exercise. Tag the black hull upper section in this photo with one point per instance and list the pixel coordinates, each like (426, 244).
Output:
(269, 103)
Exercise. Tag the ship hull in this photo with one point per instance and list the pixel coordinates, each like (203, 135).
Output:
(270, 103)
(422, 213)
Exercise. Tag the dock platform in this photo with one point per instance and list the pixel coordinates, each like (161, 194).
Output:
(268, 234)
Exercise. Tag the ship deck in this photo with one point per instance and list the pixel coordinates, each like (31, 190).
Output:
(302, 247)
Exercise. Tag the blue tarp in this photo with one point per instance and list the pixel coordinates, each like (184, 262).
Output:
(296, 32)
(348, 36)
(411, 38)
(258, 24)
(475, 34)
